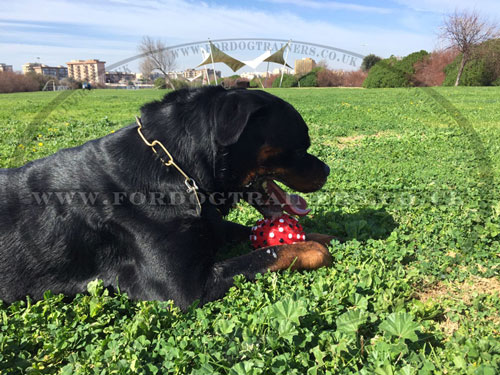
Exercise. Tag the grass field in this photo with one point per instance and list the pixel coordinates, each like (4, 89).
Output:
(415, 289)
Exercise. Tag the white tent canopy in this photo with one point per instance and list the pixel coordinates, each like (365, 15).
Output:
(277, 57)
(257, 61)
(217, 56)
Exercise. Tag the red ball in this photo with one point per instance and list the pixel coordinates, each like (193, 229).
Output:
(283, 230)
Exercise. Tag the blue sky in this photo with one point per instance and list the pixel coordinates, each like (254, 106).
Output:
(60, 30)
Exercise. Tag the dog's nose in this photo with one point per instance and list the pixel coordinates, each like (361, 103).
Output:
(327, 169)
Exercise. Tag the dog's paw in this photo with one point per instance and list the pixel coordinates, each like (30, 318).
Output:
(323, 239)
(307, 255)
(314, 255)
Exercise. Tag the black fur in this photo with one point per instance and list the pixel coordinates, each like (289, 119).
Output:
(151, 250)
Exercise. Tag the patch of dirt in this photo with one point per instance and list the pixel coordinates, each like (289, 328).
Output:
(355, 140)
(464, 291)
(343, 142)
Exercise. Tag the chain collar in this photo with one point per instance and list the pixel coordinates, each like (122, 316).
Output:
(188, 181)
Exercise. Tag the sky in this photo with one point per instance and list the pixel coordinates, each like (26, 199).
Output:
(57, 31)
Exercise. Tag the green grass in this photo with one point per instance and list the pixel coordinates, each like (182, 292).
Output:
(414, 188)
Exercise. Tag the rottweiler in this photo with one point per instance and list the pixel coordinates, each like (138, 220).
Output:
(143, 208)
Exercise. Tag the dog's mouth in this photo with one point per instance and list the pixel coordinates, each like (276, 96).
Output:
(272, 201)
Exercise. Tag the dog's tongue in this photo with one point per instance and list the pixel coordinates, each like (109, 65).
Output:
(292, 203)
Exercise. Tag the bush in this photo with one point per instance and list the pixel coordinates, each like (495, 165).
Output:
(474, 74)
(71, 83)
(255, 83)
(369, 61)
(160, 83)
(335, 78)
(407, 64)
(393, 72)
(235, 82)
(490, 51)
(321, 77)
(289, 80)
(308, 80)
(229, 82)
(269, 81)
(354, 78)
(40, 79)
(179, 84)
(385, 74)
(430, 71)
(330, 78)
(14, 82)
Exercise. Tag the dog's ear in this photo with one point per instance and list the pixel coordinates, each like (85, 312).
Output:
(232, 114)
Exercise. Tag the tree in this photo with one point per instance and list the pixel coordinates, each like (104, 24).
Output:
(482, 69)
(322, 64)
(369, 61)
(70, 83)
(464, 30)
(156, 56)
(40, 79)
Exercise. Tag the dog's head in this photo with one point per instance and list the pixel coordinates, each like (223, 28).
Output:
(244, 141)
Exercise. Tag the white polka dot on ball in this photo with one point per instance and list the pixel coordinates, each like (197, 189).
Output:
(290, 235)
(282, 221)
(298, 236)
(280, 229)
(271, 235)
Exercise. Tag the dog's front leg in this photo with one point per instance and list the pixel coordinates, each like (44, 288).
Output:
(323, 239)
(307, 255)
(236, 232)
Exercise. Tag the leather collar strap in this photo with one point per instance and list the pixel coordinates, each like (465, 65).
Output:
(188, 181)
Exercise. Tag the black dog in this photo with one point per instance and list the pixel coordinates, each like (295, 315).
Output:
(111, 209)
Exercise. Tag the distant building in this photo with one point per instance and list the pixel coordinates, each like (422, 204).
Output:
(29, 67)
(119, 77)
(211, 76)
(284, 70)
(192, 73)
(218, 73)
(250, 75)
(92, 71)
(304, 66)
(58, 72)
(5, 68)
(188, 74)
(175, 75)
